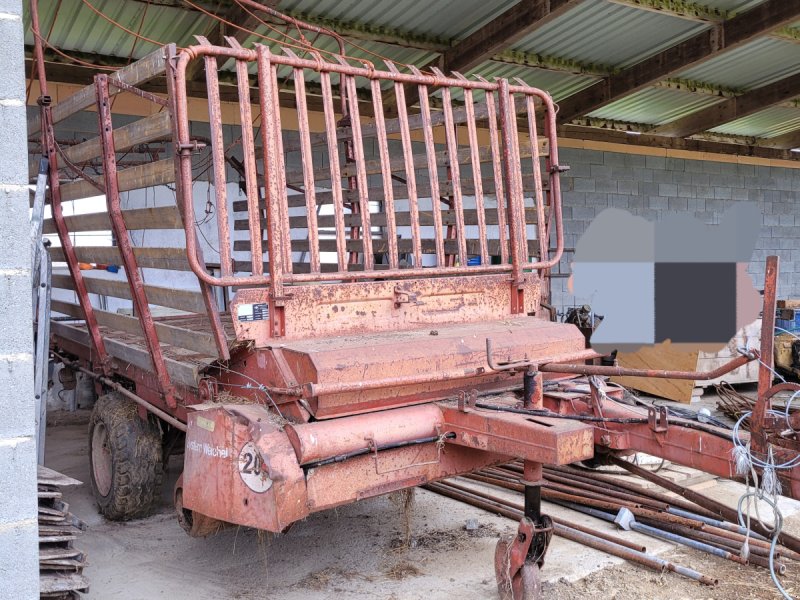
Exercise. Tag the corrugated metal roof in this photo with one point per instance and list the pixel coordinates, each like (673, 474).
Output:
(766, 123)
(442, 18)
(731, 6)
(558, 84)
(603, 32)
(762, 61)
(78, 28)
(654, 106)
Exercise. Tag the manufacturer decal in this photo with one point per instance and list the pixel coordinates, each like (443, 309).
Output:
(252, 312)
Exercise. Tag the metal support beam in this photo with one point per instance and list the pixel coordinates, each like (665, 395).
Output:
(733, 108)
(728, 35)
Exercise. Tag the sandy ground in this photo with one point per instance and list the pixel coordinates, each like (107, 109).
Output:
(358, 552)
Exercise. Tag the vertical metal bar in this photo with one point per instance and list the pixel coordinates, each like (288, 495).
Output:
(249, 158)
(279, 172)
(336, 173)
(452, 155)
(361, 175)
(183, 188)
(433, 174)
(408, 161)
(275, 189)
(308, 168)
(48, 139)
(218, 156)
(516, 174)
(386, 173)
(765, 370)
(541, 221)
(135, 282)
(475, 158)
(42, 312)
(513, 193)
(497, 170)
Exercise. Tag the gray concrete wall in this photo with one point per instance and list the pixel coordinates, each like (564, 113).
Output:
(653, 186)
(19, 568)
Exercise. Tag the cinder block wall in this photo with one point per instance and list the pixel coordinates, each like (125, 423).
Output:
(652, 186)
(19, 553)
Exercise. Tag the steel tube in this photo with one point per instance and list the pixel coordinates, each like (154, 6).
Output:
(135, 282)
(477, 178)
(591, 540)
(655, 373)
(124, 391)
(218, 155)
(336, 175)
(386, 173)
(361, 178)
(727, 513)
(558, 520)
(433, 174)
(455, 173)
(309, 186)
(758, 436)
(320, 440)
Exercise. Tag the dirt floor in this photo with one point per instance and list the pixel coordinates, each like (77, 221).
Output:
(360, 551)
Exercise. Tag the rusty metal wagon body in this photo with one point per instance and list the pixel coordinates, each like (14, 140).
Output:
(376, 318)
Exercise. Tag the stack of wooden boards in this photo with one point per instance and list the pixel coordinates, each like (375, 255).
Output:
(60, 563)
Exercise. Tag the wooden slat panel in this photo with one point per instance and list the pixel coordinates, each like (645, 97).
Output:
(132, 178)
(403, 219)
(202, 343)
(160, 217)
(173, 259)
(136, 73)
(186, 300)
(187, 373)
(380, 246)
(150, 128)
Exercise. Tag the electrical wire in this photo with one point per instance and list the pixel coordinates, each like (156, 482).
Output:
(100, 13)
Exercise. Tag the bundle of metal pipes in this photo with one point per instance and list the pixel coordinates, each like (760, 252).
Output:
(689, 518)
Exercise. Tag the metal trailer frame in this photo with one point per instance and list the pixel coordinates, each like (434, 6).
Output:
(358, 377)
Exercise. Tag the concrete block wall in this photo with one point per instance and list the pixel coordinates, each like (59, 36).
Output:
(19, 555)
(652, 186)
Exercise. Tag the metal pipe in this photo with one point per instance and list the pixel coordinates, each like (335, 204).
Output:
(614, 483)
(654, 373)
(660, 533)
(560, 521)
(727, 513)
(124, 391)
(593, 541)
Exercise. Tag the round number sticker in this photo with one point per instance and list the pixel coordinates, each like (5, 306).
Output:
(253, 470)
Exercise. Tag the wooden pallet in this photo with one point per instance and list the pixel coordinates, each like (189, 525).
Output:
(60, 563)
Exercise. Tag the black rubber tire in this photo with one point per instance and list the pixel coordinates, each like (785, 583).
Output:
(127, 467)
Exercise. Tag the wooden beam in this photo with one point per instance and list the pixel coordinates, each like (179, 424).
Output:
(492, 38)
(728, 35)
(504, 31)
(732, 108)
(202, 343)
(136, 73)
(675, 143)
(171, 259)
(159, 217)
(185, 300)
(186, 372)
(132, 178)
(785, 141)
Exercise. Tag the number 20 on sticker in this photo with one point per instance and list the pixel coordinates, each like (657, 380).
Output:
(252, 469)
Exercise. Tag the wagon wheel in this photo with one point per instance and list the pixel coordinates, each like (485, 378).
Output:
(517, 577)
(126, 459)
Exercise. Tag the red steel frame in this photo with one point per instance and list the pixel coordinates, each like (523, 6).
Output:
(308, 465)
